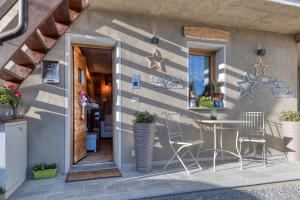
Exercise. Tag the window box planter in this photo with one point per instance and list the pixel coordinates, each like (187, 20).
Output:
(45, 173)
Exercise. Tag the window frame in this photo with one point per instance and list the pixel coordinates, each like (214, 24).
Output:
(209, 49)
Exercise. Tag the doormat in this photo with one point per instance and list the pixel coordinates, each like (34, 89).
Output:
(93, 174)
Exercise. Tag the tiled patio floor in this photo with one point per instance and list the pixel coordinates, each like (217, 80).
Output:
(134, 185)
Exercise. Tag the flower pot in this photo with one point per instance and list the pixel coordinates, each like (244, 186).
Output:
(143, 143)
(291, 133)
(46, 173)
(5, 112)
(18, 112)
(218, 95)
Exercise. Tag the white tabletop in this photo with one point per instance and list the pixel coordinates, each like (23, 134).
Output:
(223, 121)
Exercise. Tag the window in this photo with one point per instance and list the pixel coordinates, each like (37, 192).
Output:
(204, 84)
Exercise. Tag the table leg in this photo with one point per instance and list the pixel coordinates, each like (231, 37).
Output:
(215, 147)
(221, 141)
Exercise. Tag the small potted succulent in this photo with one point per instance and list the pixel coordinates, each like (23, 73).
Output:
(291, 132)
(43, 170)
(5, 108)
(144, 130)
(2, 193)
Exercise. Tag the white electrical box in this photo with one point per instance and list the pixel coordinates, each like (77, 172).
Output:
(13, 155)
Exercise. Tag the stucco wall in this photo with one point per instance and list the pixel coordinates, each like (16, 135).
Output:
(46, 143)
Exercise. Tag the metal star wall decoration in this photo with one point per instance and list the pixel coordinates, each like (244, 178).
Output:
(246, 86)
(260, 68)
(155, 60)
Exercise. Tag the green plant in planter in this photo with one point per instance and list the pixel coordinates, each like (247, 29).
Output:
(291, 116)
(43, 170)
(206, 102)
(5, 95)
(2, 191)
(144, 117)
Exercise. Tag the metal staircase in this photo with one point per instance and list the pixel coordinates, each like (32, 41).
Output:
(48, 20)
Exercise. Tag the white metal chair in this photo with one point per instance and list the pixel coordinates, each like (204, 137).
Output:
(253, 132)
(177, 142)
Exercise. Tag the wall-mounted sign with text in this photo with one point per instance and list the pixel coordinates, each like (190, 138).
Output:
(166, 82)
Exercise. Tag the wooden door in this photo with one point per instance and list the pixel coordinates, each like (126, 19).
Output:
(79, 124)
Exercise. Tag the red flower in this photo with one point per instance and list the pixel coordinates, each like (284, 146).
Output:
(18, 94)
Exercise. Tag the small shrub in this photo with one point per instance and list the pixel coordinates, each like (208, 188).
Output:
(144, 117)
(44, 166)
(2, 191)
(290, 116)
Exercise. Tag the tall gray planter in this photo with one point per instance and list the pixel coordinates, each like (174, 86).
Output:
(143, 143)
(291, 132)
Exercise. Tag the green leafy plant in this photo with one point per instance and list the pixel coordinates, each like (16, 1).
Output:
(206, 102)
(291, 116)
(217, 86)
(5, 95)
(44, 166)
(144, 117)
(2, 191)
(10, 96)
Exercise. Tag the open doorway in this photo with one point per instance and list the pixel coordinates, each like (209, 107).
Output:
(92, 105)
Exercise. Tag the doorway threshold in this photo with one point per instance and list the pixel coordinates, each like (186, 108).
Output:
(93, 166)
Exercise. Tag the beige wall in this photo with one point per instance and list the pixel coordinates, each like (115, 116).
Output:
(135, 33)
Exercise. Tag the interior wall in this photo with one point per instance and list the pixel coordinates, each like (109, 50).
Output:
(134, 32)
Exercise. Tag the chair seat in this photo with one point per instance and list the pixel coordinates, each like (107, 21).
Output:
(188, 142)
(252, 139)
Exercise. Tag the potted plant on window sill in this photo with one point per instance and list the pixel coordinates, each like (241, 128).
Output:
(2, 193)
(291, 132)
(144, 130)
(217, 90)
(5, 108)
(42, 171)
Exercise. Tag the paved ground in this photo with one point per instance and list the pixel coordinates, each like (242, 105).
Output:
(275, 191)
(160, 182)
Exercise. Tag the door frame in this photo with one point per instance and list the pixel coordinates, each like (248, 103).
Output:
(78, 39)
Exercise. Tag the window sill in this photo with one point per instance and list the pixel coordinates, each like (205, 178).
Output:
(206, 109)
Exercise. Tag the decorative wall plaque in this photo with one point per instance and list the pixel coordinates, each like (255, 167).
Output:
(155, 60)
(260, 67)
(166, 82)
(246, 86)
(279, 89)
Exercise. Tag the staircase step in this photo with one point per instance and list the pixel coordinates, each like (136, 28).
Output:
(73, 14)
(17, 70)
(61, 13)
(78, 4)
(94, 166)
(61, 28)
(32, 57)
(8, 77)
(49, 28)
(36, 42)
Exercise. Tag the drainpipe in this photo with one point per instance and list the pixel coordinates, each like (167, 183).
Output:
(22, 23)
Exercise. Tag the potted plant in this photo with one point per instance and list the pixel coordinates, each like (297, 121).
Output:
(192, 94)
(291, 132)
(144, 131)
(2, 193)
(43, 170)
(17, 104)
(206, 102)
(5, 109)
(217, 93)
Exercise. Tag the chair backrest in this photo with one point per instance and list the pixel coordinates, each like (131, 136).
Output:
(257, 125)
(173, 126)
